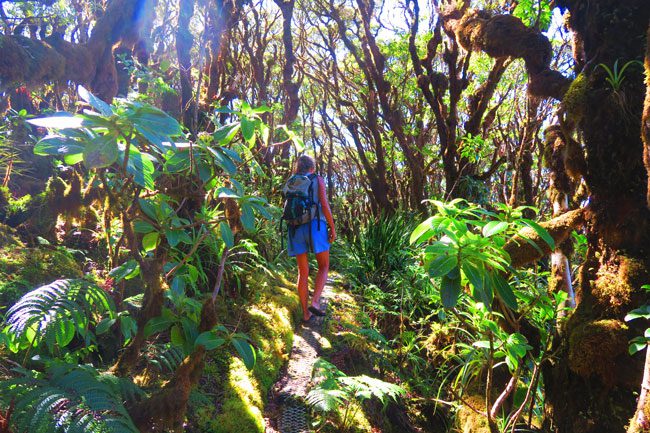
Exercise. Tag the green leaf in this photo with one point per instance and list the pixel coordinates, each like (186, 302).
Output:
(174, 237)
(248, 129)
(95, 102)
(57, 146)
(226, 133)
(140, 165)
(442, 265)
(74, 158)
(104, 325)
(247, 216)
(423, 228)
(504, 291)
(226, 234)
(59, 120)
(494, 227)
(541, 232)
(450, 290)
(177, 337)
(209, 340)
(140, 226)
(641, 312)
(101, 152)
(180, 161)
(246, 352)
(150, 241)
(637, 344)
(155, 125)
(157, 325)
(149, 208)
(64, 331)
(223, 160)
(126, 271)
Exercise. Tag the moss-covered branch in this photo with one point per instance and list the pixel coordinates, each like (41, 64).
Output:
(34, 62)
(522, 252)
(502, 36)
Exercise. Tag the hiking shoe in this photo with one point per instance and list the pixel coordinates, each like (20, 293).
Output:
(316, 312)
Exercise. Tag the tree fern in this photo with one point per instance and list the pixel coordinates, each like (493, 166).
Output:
(69, 398)
(56, 312)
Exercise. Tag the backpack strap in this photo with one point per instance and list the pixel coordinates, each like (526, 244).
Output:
(312, 177)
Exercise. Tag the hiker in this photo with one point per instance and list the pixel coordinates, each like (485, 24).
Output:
(308, 216)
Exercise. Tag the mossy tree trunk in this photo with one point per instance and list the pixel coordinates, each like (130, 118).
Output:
(590, 387)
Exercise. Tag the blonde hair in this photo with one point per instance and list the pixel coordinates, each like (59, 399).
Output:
(305, 163)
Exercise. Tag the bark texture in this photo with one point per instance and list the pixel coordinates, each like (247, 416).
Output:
(502, 36)
(590, 387)
(35, 62)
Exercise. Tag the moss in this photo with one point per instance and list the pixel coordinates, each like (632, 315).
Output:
(468, 420)
(616, 282)
(594, 347)
(575, 99)
(22, 269)
(269, 322)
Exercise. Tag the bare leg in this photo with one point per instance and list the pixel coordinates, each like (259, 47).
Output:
(303, 277)
(323, 260)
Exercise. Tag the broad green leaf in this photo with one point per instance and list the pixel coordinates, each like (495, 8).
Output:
(247, 216)
(248, 129)
(642, 312)
(150, 241)
(57, 146)
(494, 227)
(226, 234)
(101, 152)
(174, 237)
(180, 161)
(140, 226)
(223, 160)
(450, 290)
(541, 232)
(177, 337)
(94, 101)
(73, 158)
(59, 120)
(157, 325)
(104, 325)
(126, 271)
(141, 166)
(442, 265)
(504, 291)
(149, 208)
(637, 347)
(246, 352)
(226, 133)
(209, 340)
(418, 233)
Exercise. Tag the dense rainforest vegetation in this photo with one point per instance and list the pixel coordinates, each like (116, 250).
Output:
(488, 167)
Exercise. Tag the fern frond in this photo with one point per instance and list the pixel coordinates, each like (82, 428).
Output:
(67, 398)
(54, 313)
(165, 357)
(325, 400)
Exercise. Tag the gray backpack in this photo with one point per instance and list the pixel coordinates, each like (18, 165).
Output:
(299, 206)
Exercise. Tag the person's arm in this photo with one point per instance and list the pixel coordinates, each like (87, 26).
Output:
(327, 212)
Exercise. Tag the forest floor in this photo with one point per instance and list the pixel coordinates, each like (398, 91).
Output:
(286, 411)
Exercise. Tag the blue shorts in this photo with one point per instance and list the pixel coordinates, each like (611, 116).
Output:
(299, 240)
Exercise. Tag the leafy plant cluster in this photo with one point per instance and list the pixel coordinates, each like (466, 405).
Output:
(464, 327)
(175, 215)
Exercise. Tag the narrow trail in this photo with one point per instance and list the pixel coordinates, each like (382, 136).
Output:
(286, 411)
